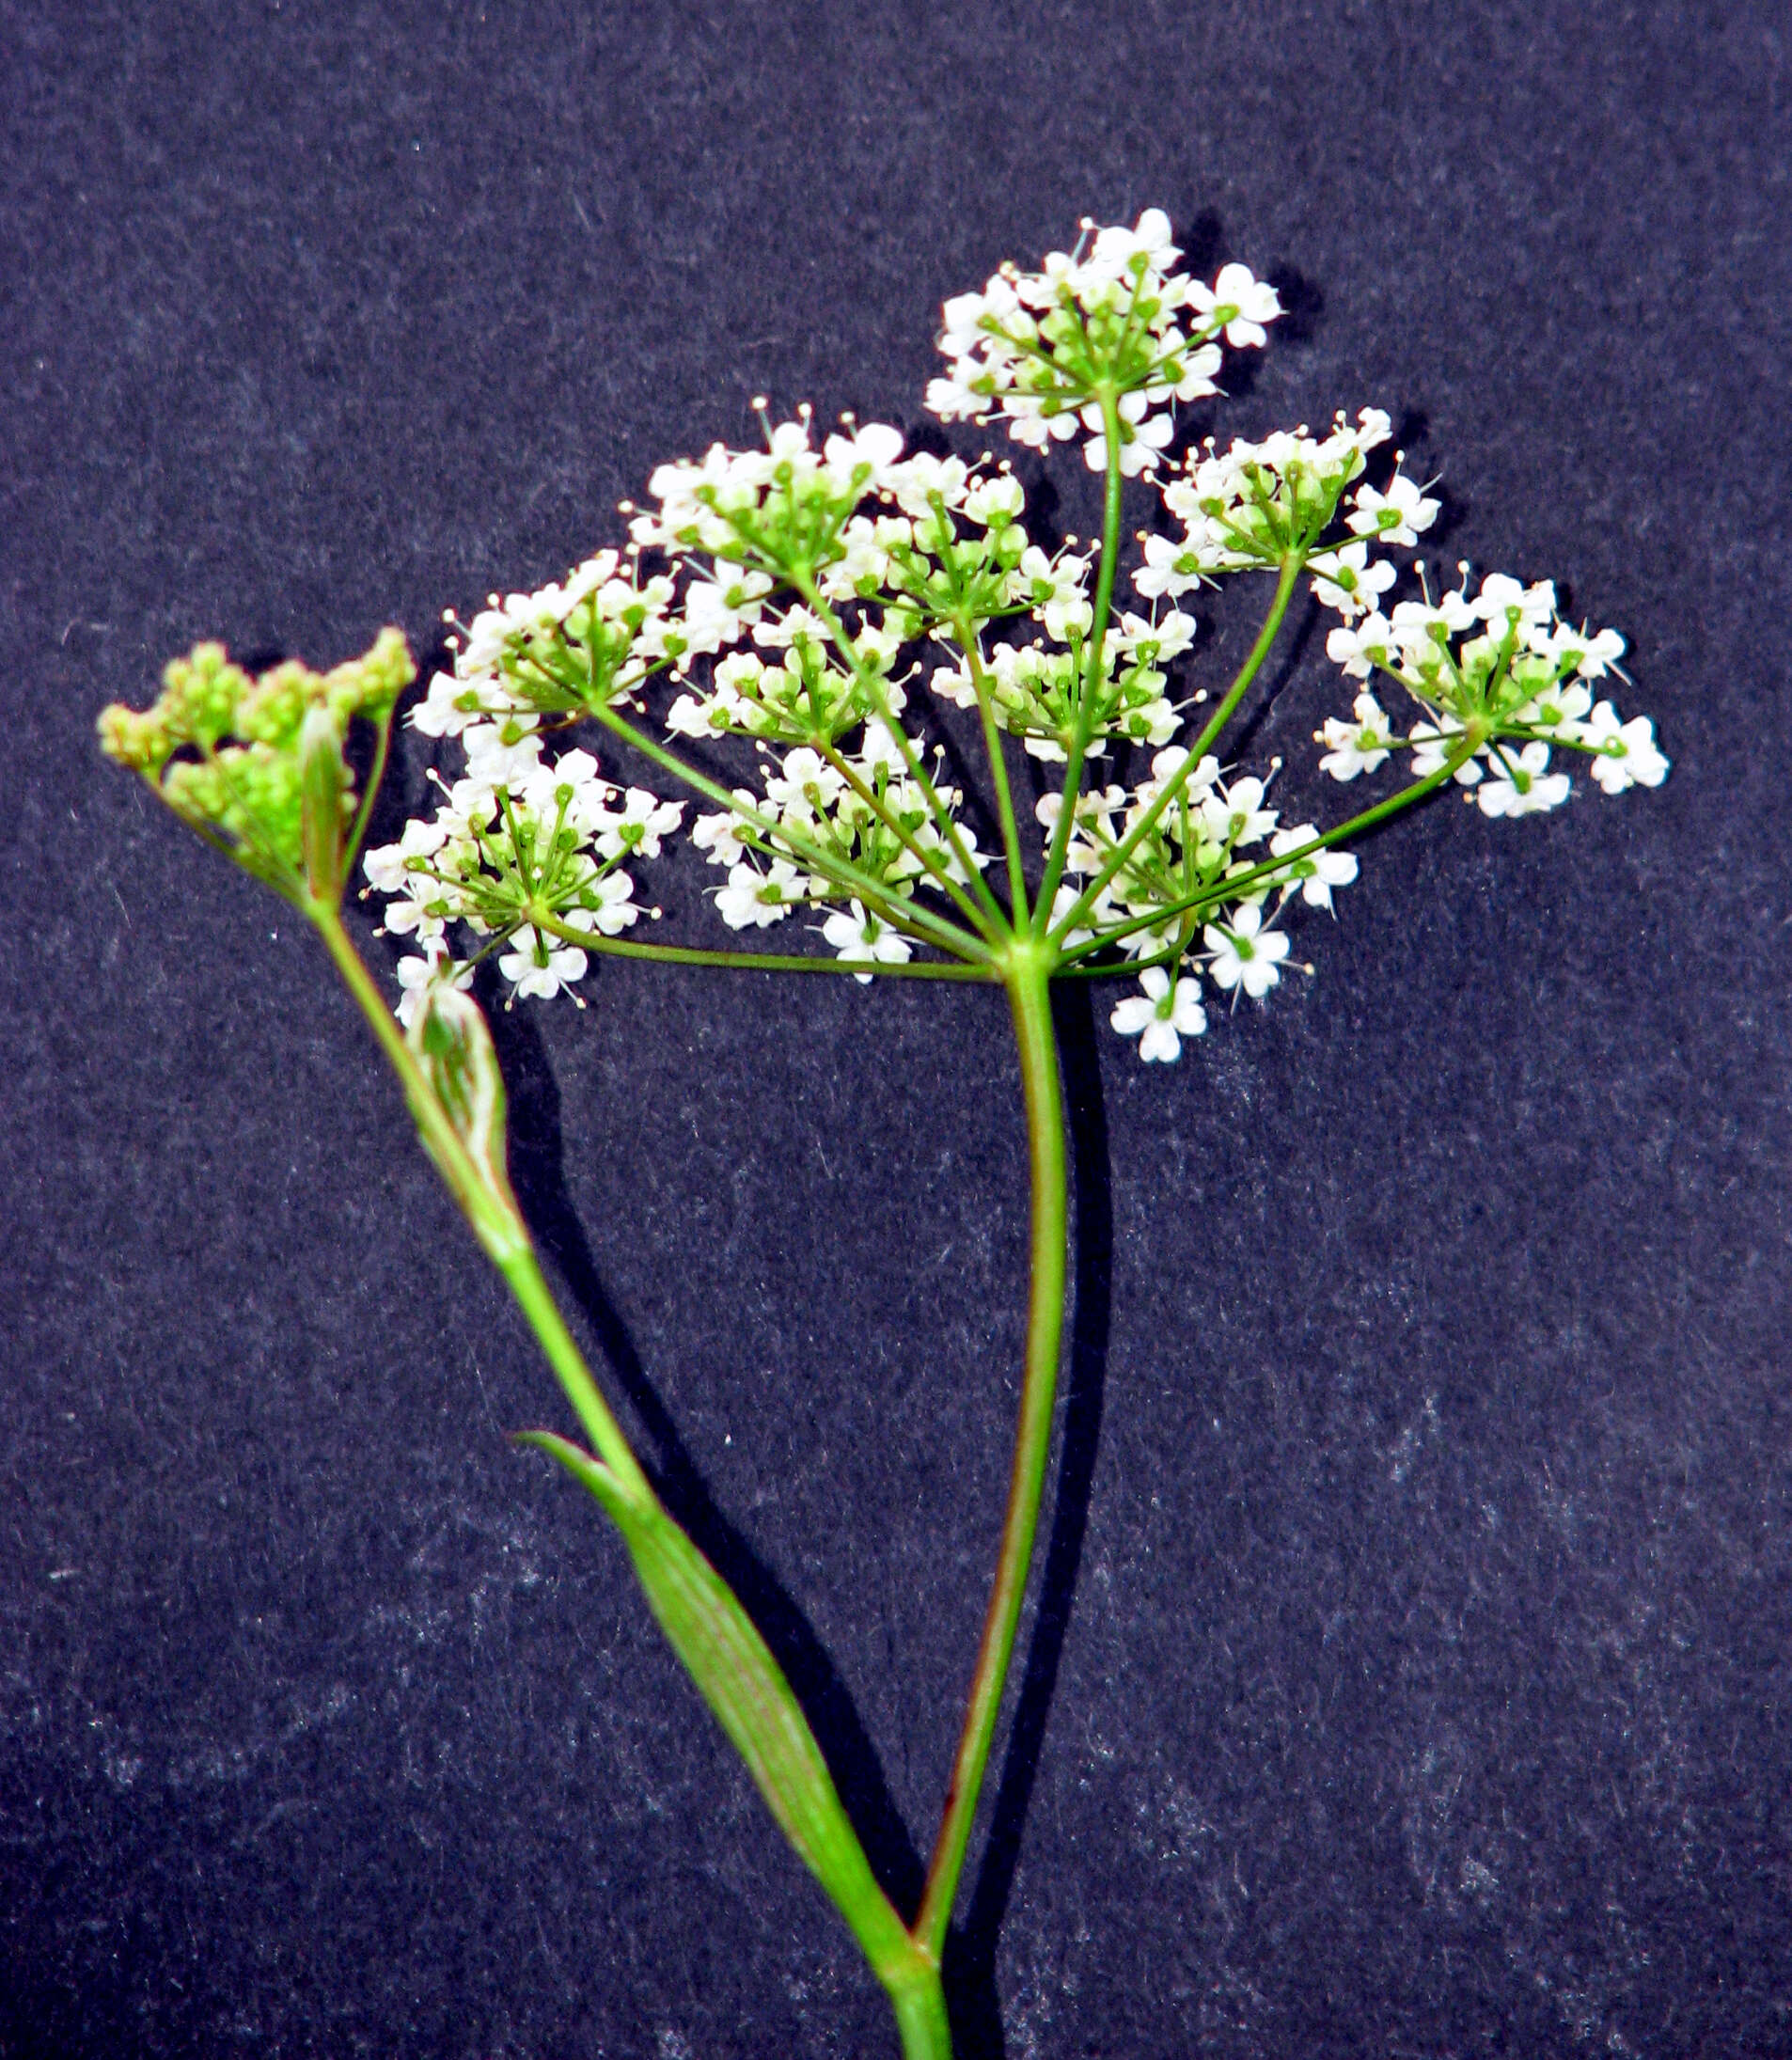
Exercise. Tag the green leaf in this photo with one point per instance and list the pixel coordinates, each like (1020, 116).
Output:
(739, 1679)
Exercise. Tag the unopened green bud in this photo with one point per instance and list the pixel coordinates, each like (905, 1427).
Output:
(323, 786)
(454, 1049)
(257, 765)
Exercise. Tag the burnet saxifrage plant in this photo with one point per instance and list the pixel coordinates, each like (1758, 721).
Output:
(817, 611)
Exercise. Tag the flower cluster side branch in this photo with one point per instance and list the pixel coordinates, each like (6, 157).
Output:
(279, 799)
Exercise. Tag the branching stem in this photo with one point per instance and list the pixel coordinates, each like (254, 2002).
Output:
(514, 1255)
(937, 930)
(968, 643)
(1177, 783)
(757, 962)
(1078, 749)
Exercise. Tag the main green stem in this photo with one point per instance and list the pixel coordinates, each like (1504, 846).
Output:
(919, 2004)
(1030, 997)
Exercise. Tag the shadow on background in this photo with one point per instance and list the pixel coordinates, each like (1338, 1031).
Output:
(537, 1172)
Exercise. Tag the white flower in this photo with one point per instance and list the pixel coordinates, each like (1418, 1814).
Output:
(455, 702)
(1317, 873)
(807, 781)
(540, 966)
(1629, 754)
(1394, 517)
(879, 747)
(1201, 783)
(688, 716)
(861, 935)
(1375, 426)
(875, 645)
(1233, 815)
(955, 685)
(1162, 1017)
(871, 449)
(1504, 605)
(779, 632)
(719, 837)
(411, 916)
(715, 615)
(922, 477)
(644, 820)
(1238, 302)
(1353, 748)
(1167, 638)
(994, 501)
(389, 868)
(1149, 239)
(1593, 656)
(572, 781)
(1432, 744)
(1521, 785)
(865, 560)
(1142, 435)
(1030, 424)
(496, 759)
(1098, 806)
(965, 314)
(1346, 580)
(1244, 954)
(954, 396)
(1170, 569)
(755, 900)
(1041, 582)
(616, 909)
(1198, 369)
(1358, 651)
(418, 977)
(1066, 899)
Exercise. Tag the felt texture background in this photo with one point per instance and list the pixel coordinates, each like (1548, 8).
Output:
(1410, 1675)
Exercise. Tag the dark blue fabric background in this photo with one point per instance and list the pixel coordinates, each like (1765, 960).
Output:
(1412, 1676)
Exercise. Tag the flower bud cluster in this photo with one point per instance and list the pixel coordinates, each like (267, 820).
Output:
(1112, 322)
(234, 755)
